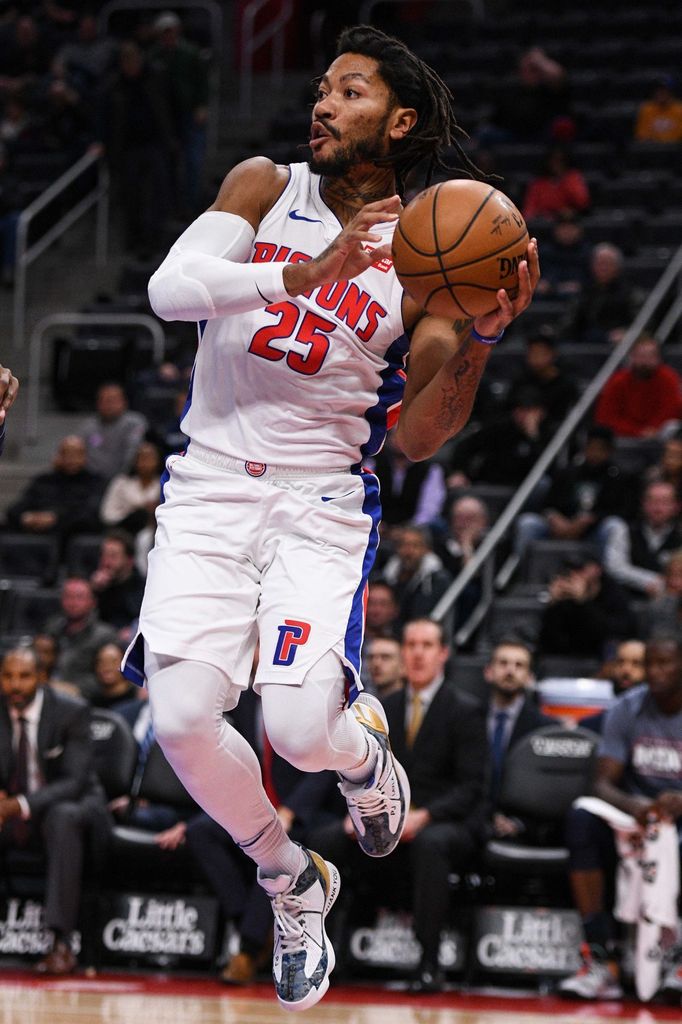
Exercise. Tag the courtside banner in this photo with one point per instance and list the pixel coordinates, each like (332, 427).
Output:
(390, 943)
(163, 929)
(530, 940)
(23, 931)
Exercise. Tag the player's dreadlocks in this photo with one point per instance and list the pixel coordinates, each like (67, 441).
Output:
(413, 84)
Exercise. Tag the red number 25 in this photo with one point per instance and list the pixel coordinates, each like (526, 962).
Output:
(305, 348)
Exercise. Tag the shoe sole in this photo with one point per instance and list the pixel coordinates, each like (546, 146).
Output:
(316, 994)
(608, 996)
(407, 793)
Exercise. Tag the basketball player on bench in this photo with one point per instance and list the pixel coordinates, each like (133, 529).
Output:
(268, 527)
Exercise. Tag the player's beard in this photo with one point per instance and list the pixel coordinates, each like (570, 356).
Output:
(360, 151)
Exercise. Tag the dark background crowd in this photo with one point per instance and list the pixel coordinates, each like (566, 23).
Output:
(579, 114)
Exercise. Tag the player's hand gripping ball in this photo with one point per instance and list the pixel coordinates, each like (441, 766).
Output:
(456, 244)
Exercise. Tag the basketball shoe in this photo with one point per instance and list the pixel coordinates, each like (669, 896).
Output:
(303, 957)
(378, 806)
(596, 979)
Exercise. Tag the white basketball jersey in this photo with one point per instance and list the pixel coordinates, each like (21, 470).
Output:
(311, 382)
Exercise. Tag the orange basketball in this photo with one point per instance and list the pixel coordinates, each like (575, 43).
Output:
(456, 244)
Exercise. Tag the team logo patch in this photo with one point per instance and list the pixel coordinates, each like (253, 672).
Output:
(292, 635)
(255, 468)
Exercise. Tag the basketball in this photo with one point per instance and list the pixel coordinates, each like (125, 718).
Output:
(456, 244)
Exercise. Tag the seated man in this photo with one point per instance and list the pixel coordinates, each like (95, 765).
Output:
(50, 799)
(639, 771)
(439, 736)
(636, 552)
(79, 634)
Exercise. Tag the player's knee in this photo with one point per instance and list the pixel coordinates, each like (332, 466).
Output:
(180, 719)
(304, 746)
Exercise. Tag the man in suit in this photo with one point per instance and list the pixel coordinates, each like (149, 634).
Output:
(50, 799)
(439, 736)
(511, 714)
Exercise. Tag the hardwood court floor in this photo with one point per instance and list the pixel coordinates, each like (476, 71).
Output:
(130, 999)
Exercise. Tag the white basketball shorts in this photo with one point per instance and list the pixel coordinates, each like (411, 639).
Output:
(245, 551)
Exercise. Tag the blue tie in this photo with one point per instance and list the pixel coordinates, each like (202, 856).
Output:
(497, 749)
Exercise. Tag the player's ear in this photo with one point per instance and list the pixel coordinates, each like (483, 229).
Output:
(402, 121)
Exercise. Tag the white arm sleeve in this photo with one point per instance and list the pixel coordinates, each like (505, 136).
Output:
(206, 274)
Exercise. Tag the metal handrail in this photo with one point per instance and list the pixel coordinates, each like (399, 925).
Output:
(564, 431)
(26, 255)
(365, 12)
(79, 320)
(215, 17)
(251, 42)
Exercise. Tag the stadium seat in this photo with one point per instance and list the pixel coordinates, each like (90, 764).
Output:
(25, 556)
(520, 616)
(115, 750)
(82, 554)
(542, 775)
(544, 558)
(30, 608)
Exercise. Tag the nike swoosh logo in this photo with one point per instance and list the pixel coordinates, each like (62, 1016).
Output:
(334, 497)
(295, 215)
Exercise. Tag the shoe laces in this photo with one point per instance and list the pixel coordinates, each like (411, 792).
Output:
(288, 910)
(371, 803)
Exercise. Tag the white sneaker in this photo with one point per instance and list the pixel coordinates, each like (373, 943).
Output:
(303, 956)
(593, 980)
(378, 806)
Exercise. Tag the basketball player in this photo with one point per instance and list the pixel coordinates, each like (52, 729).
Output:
(9, 386)
(268, 527)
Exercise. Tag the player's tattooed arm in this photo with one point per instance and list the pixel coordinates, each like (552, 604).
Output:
(444, 371)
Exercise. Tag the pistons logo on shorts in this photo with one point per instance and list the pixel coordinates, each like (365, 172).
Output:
(292, 635)
(255, 468)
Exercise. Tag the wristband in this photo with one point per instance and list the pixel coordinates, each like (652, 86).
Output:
(486, 341)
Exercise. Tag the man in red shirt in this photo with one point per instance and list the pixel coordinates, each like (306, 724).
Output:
(642, 398)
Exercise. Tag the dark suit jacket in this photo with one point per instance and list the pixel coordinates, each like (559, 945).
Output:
(448, 764)
(65, 753)
(529, 718)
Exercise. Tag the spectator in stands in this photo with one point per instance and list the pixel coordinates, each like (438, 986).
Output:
(559, 188)
(116, 582)
(25, 55)
(659, 119)
(67, 125)
(142, 148)
(63, 502)
(417, 573)
(50, 798)
(511, 714)
(114, 434)
(565, 258)
(439, 736)
(636, 553)
(664, 613)
(184, 74)
(644, 399)
(669, 466)
(412, 492)
(504, 450)
(587, 610)
(79, 634)
(467, 526)
(299, 798)
(385, 666)
(581, 498)
(639, 771)
(88, 57)
(536, 107)
(10, 208)
(625, 670)
(131, 498)
(113, 689)
(383, 610)
(605, 307)
(543, 372)
(169, 435)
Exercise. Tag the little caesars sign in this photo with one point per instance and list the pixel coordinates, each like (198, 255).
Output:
(528, 939)
(23, 931)
(156, 925)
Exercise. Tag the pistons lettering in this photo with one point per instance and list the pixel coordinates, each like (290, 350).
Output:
(345, 299)
(292, 635)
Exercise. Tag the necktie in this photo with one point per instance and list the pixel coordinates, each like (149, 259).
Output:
(497, 748)
(19, 780)
(416, 717)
